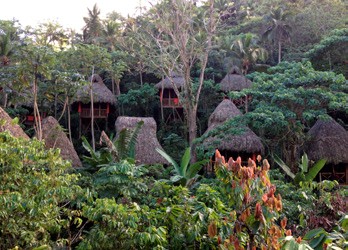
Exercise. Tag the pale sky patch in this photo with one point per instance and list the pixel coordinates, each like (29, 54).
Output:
(68, 13)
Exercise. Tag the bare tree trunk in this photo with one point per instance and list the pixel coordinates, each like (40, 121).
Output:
(279, 51)
(69, 120)
(37, 117)
(55, 105)
(113, 85)
(118, 90)
(92, 111)
(5, 100)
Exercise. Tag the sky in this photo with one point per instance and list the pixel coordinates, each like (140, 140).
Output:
(68, 13)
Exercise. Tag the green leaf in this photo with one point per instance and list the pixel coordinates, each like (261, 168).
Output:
(304, 163)
(284, 166)
(169, 159)
(185, 160)
(312, 173)
(195, 168)
(318, 242)
(313, 233)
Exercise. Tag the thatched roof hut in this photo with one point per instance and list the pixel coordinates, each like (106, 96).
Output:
(101, 93)
(55, 137)
(235, 81)
(177, 79)
(6, 124)
(329, 140)
(145, 149)
(247, 141)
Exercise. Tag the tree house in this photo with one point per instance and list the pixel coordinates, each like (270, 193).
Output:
(103, 100)
(168, 98)
(236, 81)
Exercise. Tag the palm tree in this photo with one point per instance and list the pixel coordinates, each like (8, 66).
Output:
(247, 51)
(93, 28)
(278, 31)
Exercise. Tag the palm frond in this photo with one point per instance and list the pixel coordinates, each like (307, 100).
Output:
(133, 140)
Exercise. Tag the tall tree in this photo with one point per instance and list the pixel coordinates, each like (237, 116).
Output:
(178, 35)
(278, 31)
(9, 41)
(245, 51)
(92, 31)
(51, 34)
(35, 66)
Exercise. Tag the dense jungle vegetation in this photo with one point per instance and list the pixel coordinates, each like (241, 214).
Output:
(294, 52)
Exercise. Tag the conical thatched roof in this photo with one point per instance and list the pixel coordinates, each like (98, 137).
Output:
(329, 140)
(235, 81)
(224, 111)
(55, 137)
(101, 93)
(145, 149)
(6, 124)
(247, 141)
(178, 80)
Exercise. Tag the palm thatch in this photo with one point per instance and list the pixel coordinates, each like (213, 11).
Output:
(329, 140)
(101, 93)
(6, 124)
(167, 83)
(247, 141)
(235, 81)
(145, 149)
(55, 137)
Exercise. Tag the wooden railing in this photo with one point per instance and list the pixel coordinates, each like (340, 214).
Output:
(171, 102)
(98, 113)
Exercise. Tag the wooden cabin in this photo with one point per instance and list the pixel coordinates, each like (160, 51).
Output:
(103, 101)
(236, 81)
(329, 140)
(245, 145)
(168, 98)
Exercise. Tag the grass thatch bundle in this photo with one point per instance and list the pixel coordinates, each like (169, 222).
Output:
(328, 140)
(6, 124)
(167, 83)
(247, 141)
(101, 93)
(145, 149)
(55, 137)
(235, 81)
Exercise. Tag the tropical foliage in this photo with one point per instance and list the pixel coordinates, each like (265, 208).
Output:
(295, 54)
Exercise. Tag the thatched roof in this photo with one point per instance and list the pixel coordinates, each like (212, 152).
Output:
(247, 141)
(234, 81)
(329, 140)
(224, 111)
(101, 93)
(177, 79)
(145, 149)
(55, 137)
(6, 124)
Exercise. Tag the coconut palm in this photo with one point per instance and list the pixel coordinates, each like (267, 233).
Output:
(247, 51)
(93, 28)
(278, 30)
